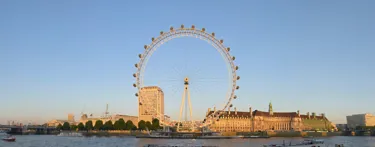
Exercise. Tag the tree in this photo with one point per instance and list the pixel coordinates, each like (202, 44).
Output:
(148, 125)
(116, 125)
(155, 124)
(121, 124)
(108, 125)
(88, 125)
(65, 126)
(98, 125)
(129, 125)
(81, 126)
(142, 125)
(59, 127)
(73, 127)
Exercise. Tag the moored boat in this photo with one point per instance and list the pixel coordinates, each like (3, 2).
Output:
(9, 139)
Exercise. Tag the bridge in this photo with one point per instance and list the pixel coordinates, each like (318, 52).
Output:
(26, 129)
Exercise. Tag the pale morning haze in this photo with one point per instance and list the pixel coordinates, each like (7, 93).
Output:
(61, 57)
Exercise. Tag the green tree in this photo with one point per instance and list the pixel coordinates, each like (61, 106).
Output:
(155, 124)
(73, 127)
(142, 125)
(148, 125)
(65, 126)
(121, 124)
(59, 127)
(129, 125)
(98, 125)
(108, 125)
(81, 126)
(116, 125)
(88, 125)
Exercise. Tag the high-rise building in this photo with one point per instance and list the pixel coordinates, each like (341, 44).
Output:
(360, 120)
(71, 118)
(150, 102)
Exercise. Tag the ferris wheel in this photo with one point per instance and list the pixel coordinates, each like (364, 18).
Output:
(201, 34)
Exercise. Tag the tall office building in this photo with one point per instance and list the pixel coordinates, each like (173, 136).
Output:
(150, 102)
(360, 120)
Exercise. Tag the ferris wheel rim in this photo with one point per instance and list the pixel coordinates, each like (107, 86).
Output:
(202, 35)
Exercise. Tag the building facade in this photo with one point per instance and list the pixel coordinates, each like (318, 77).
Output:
(360, 120)
(151, 103)
(234, 121)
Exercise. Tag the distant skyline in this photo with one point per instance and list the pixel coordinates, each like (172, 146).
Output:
(60, 57)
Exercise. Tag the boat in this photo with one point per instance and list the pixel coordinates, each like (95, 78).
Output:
(70, 134)
(305, 143)
(9, 139)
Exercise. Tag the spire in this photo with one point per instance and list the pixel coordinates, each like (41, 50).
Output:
(270, 110)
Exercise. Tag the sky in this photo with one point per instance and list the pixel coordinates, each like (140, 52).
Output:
(60, 57)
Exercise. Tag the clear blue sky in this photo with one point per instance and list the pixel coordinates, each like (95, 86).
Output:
(59, 57)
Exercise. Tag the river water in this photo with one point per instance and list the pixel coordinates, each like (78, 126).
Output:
(55, 141)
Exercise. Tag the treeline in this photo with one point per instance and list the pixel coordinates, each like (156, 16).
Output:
(118, 125)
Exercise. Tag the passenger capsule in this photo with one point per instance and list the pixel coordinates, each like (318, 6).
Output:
(213, 34)
(171, 29)
(238, 87)
(134, 85)
(152, 39)
(228, 49)
(161, 32)
(134, 75)
(203, 29)
(233, 58)
(136, 94)
(145, 46)
(235, 97)
(182, 26)
(193, 27)
(237, 67)
(238, 77)
(136, 65)
(221, 41)
(231, 105)
(140, 55)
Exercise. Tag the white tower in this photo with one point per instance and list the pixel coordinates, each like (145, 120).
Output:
(186, 93)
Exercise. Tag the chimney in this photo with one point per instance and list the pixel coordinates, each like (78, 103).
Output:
(251, 112)
(235, 110)
(298, 113)
(228, 110)
(308, 115)
(314, 114)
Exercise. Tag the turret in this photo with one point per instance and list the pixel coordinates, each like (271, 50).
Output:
(228, 110)
(323, 115)
(214, 109)
(270, 110)
(235, 110)
(208, 111)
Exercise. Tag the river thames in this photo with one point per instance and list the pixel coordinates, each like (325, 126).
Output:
(55, 141)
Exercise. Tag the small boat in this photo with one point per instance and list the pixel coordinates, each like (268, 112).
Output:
(9, 139)
(305, 143)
